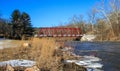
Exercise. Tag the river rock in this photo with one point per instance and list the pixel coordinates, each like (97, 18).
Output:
(6, 68)
(34, 68)
(72, 67)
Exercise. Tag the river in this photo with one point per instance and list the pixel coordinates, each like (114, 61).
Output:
(108, 52)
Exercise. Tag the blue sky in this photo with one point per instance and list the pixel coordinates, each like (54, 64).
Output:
(47, 13)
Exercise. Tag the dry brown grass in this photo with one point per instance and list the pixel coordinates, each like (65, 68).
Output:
(42, 51)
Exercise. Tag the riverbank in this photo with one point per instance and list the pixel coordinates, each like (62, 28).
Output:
(47, 54)
(97, 38)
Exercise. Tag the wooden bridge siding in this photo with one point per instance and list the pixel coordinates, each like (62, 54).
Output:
(60, 32)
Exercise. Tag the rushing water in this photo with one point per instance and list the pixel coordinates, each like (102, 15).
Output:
(109, 52)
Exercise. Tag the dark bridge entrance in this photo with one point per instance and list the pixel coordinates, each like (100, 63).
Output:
(59, 32)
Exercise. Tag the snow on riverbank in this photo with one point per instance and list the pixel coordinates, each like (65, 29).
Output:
(18, 62)
(92, 63)
(88, 37)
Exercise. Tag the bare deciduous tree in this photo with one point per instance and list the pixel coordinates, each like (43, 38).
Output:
(110, 11)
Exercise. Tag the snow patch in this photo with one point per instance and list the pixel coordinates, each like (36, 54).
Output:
(92, 63)
(19, 62)
(88, 37)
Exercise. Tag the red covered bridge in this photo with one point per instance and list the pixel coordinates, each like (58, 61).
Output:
(59, 32)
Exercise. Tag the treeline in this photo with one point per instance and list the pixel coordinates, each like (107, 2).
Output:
(18, 27)
(103, 20)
